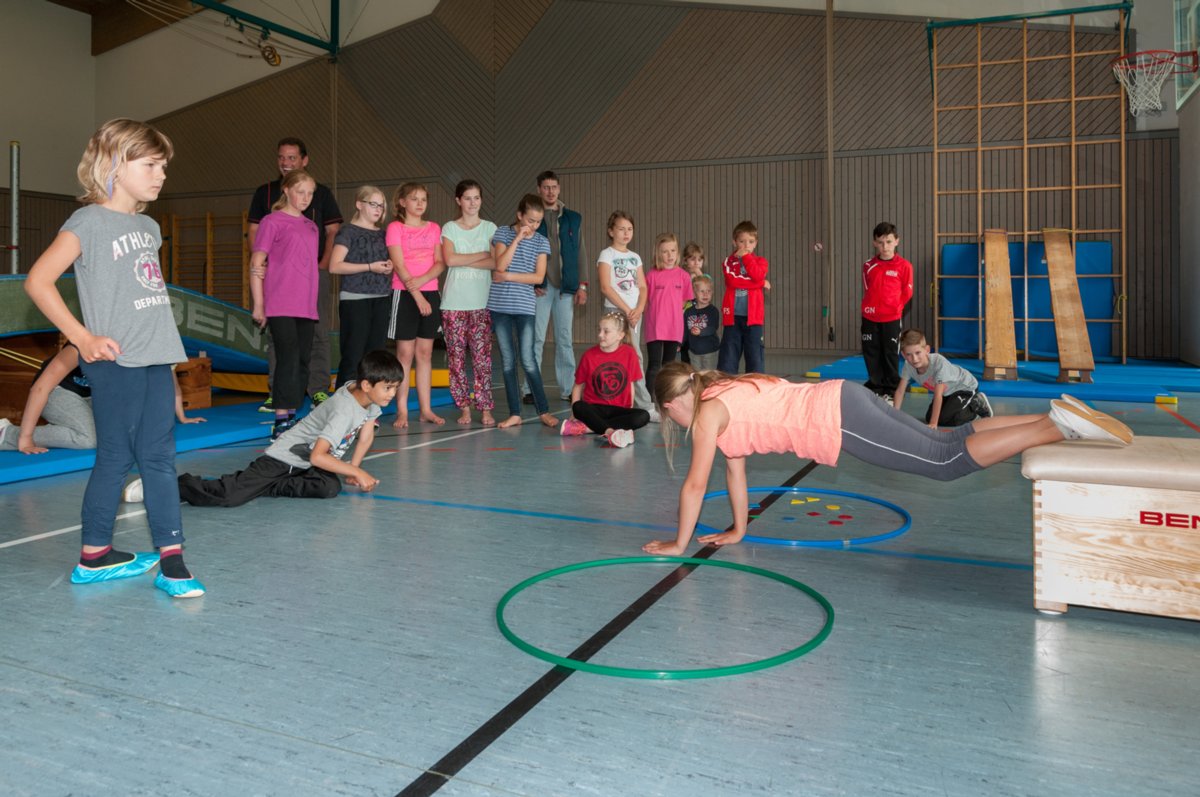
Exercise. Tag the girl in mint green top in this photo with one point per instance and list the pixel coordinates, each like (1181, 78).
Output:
(466, 323)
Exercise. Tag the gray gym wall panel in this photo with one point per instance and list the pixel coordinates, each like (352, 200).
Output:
(694, 118)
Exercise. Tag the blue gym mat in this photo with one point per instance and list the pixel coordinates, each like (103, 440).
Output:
(231, 423)
(1139, 380)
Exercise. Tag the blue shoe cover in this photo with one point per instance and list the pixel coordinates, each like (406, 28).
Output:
(179, 587)
(140, 563)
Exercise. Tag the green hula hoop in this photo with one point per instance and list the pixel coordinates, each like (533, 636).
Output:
(665, 675)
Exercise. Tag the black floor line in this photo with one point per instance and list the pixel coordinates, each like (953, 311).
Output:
(453, 762)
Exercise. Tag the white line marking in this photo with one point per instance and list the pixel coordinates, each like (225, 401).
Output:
(66, 530)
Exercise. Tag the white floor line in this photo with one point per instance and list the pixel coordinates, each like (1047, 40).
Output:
(66, 530)
(136, 512)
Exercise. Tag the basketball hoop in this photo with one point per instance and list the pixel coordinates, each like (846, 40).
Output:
(1143, 74)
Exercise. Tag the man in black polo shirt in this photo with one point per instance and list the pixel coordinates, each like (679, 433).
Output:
(323, 210)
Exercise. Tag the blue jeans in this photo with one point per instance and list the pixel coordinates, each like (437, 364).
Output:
(737, 338)
(135, 423)
(505, 324)
(562, 307)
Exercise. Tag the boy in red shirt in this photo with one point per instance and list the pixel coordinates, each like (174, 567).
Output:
(742, 307)
(887, 287)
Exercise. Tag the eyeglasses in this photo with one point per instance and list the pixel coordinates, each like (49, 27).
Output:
(374, 205)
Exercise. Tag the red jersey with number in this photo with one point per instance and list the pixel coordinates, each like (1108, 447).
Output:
(608, 377)
(887, 287)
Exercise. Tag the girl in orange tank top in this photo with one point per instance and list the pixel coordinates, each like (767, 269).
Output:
(760, 414)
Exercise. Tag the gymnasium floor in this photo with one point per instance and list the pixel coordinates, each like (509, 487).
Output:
(350, 647)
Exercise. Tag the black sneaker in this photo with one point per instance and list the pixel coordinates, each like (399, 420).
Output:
(981, 406)
(281, 427)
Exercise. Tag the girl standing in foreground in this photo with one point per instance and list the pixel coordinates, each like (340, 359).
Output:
(360, 256)
(467, 253)
(758, 414)
(623, 285)
(602, 398)
(414, 246)
(285, 300)
(670, 289)
(520, 253)
(128, 341)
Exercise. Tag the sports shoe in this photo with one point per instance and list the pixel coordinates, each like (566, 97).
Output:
(981, 406)
(134, 492)
(1074, 402)
(281, 426)
(572, 427)
(180, 587)
(266, 406)
(1077, 424)
(140, 563)
(319, 398)
(620, 438)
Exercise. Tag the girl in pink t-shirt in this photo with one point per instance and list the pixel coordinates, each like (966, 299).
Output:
(668, 287)
(415, 249)
(759, 414)
(285, 299)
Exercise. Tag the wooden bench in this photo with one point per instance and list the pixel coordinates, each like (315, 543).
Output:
(1117, 528)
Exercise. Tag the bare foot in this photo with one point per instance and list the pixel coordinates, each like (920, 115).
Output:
(548, 420)
(429, 417)
(486, 418)
(512, 420)
(401, 422)
(465, 418)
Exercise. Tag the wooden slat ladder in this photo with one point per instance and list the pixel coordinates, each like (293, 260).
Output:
(1000, 352)
(1075, 363)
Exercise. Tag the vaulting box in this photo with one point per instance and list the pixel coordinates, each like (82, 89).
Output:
(195, 383)
(1117, 528)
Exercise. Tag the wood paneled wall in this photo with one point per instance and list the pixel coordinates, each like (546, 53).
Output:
(691, 118)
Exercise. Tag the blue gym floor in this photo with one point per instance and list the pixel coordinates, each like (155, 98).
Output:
(350, 646)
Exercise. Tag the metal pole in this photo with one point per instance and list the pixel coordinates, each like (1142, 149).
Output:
(829, 176)
(14, 206)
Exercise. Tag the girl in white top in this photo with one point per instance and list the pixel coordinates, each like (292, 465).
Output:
(623, 285)
(466, 322)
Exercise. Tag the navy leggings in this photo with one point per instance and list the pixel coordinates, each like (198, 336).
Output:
(882, 435)
(135, 424)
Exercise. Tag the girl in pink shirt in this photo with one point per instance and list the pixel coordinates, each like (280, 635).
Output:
(668, 287)
(415, 249)
(758, 414)
(285, 299)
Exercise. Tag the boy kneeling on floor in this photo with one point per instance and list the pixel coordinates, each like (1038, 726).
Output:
(305, 461)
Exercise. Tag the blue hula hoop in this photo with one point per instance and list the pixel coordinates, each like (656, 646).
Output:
(842, 543)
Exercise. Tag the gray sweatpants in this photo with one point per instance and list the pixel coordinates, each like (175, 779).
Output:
(882, 435)
(69, 424)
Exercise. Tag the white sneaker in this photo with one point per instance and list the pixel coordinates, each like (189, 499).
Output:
(620, 438)
(4, 424)
(654, 416)
(133, 492)
(1077, 424)
(1076, 403)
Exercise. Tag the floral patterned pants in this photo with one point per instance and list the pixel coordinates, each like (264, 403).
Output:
(469, 330)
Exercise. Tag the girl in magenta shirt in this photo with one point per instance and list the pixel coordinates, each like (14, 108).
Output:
(415, 249)
(285, 300)
(668, 286)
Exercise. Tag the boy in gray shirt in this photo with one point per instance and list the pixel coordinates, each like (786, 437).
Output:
(305, 461)
(956, 396)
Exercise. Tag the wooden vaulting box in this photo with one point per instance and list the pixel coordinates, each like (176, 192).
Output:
(195, 382)
(1117, 528)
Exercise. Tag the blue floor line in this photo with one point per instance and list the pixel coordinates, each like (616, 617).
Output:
(655, 527)
(956, 560)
